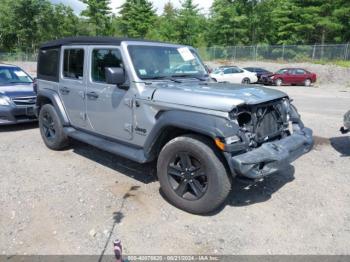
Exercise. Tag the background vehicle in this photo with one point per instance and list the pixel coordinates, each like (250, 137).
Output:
(259, 71)
(17, 97)
(234, 75)
(346, 128)
(125, 97)
(292, 76)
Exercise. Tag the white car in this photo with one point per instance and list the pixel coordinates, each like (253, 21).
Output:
(233, 74)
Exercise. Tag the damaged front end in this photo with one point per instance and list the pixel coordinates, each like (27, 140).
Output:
(274, 136)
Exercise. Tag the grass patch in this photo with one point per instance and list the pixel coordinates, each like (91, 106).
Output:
(341, 63)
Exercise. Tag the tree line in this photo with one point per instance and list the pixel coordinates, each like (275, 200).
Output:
(24, 24)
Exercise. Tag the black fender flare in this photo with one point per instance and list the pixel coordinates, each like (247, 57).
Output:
(48, 94)
(208, 125)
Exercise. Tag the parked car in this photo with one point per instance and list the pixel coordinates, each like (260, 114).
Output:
(290, 76)
(234, 75)
(346, 128)
(122, 96)
(17, 97)
(259, 71)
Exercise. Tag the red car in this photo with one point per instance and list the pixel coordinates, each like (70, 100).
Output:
(291, 76)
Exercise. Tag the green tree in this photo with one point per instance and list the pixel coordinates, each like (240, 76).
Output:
(137, 17)
(166, 24)
(8, 36)
(227, 25)
(191, 24)
(342, 15)
(99, 17)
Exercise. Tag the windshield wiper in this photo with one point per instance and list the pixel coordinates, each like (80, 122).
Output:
(171, 78)
(191, 76)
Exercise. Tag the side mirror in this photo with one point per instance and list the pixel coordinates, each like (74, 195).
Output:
(115, 75)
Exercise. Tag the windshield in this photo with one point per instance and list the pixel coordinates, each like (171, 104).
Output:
(155, 62)
(13, 75)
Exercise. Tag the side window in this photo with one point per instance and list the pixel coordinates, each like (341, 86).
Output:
(236, 70)
(228, 71)
(102, 58)
(73, 63)
(299, 72)
(48, 61)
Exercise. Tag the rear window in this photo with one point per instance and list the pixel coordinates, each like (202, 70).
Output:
(48, 64)
(300, 72)
(73, 64)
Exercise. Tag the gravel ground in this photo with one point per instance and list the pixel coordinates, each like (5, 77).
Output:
(79, 200)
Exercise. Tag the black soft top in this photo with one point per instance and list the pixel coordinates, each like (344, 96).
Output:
(88, 40)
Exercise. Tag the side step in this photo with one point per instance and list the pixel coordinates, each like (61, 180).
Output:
(135, 154)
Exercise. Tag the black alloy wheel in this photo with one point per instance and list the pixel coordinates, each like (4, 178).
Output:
(48, 126)
(187, 176)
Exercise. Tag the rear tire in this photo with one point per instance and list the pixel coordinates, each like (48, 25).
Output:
(191, 174)
(278, 82)
(307, 82)
(246, 81)
(51, 128)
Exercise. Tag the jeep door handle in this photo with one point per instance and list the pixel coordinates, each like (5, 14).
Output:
(64, 90)
(92, 95)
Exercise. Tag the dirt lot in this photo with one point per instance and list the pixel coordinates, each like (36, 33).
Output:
(77, 201)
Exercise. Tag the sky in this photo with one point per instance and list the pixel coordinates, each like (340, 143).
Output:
(158, 4)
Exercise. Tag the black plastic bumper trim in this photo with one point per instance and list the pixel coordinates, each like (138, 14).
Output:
(272, 157)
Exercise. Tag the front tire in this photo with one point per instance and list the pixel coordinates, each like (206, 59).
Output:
(51, 128)
(278, 82)
(192, 176)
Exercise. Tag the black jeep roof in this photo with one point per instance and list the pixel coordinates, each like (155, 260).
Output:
(88, 40)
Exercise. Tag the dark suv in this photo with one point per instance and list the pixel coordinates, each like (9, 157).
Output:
(17, 96)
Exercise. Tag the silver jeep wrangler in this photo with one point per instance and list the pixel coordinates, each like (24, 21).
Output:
(150, 101)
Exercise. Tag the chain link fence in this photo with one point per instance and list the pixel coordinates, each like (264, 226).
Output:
(18, 57)
(293, 53)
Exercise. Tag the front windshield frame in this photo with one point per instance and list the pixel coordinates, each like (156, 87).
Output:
(15, 77)
(203, 73)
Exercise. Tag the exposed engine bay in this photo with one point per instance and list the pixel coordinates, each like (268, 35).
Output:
(265, 122)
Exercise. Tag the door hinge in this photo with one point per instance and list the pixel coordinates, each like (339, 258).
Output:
(82, 94)
(83, 116)
(128, 128)
(129, 102)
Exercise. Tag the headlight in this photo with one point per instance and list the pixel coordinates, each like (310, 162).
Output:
(232, 139)
(286, 105)
(4, 101)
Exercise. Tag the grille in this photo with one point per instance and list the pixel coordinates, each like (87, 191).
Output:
(269, 123)
(22, 101)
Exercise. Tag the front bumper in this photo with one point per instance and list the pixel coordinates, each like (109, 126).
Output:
(266, 80)
(16, 114)
(273, 156)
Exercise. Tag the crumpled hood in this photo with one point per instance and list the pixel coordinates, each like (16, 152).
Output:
(215, 96)
(17, 90)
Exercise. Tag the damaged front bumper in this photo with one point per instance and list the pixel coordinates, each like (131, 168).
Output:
(273, 156)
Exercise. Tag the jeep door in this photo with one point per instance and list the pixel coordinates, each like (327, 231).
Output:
(108, 107)
(73, 82)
